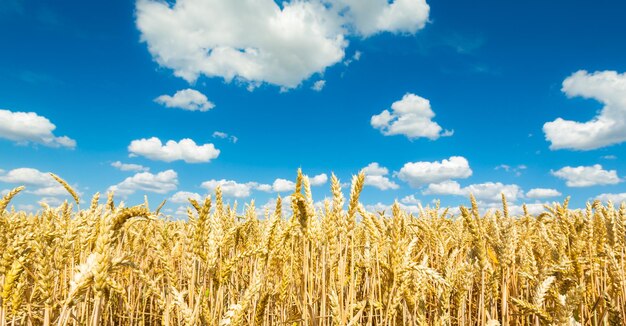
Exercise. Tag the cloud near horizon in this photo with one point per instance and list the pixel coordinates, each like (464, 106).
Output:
(183, 150)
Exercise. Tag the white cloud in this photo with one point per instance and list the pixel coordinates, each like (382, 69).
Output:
(607, 128)
(181, 212)
(616, 199)
(412, 117)
(186, 99)
(255, 41)
(182, 197)
(318, 180)
(223, 135)
(420, 173)
(262, 41)
(373, 16)
(355, 57)
(53, 190)
(220, 134)
(27, 176)
(28, 127)
(375, 175)
(129, 167)
(533, 209)
(491, 191)
(27, 208)
(318, 86)
(410, 200)
(160, 183)
(282, 185)
(379, 207)
(185, 150)
(487, 192)
(517, 170)
(375, 169)
(235, 189)
(542, 193)
(586, 176)
(270, 206)
(514, 210)
(447, 187)
(52, 201)
(264, 187)
(39, 183)
(381, 182)
(230, 188)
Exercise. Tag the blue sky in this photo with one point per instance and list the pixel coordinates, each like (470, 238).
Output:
(489, 96)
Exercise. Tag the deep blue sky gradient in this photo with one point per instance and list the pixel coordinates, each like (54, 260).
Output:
(491, 69)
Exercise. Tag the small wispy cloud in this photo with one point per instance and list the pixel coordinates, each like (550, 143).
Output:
(318, 85)
(517, 170)
(222, 135)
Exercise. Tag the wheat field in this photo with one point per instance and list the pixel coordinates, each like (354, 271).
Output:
(339, 265)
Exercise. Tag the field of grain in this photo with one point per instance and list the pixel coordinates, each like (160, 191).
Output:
(340, 265)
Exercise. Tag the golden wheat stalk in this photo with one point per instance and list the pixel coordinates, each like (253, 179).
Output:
(67, 187)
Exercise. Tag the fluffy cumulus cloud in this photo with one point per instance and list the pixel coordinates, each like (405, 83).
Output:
(263, 41)
(186, 99)
(448, 187)
(51, 201)
(608, 127)
(318, 180)
(182, 197)
(542, 193)
(412, 117)
(241, 190)
(264, 187)
(160, 183)
(586, 176)
(411, 200)
(282, 185)
(485, 192)
(27, 176)
(533, 209)
(616, 199)
(380, 207)
(421, 173)
(270, 207)
(492, 191)
(376, 176)
(129, 167)
(185, 150)
(373, 16)
(37, 182)
(29, 127)
(232, 188)
(514, 210)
